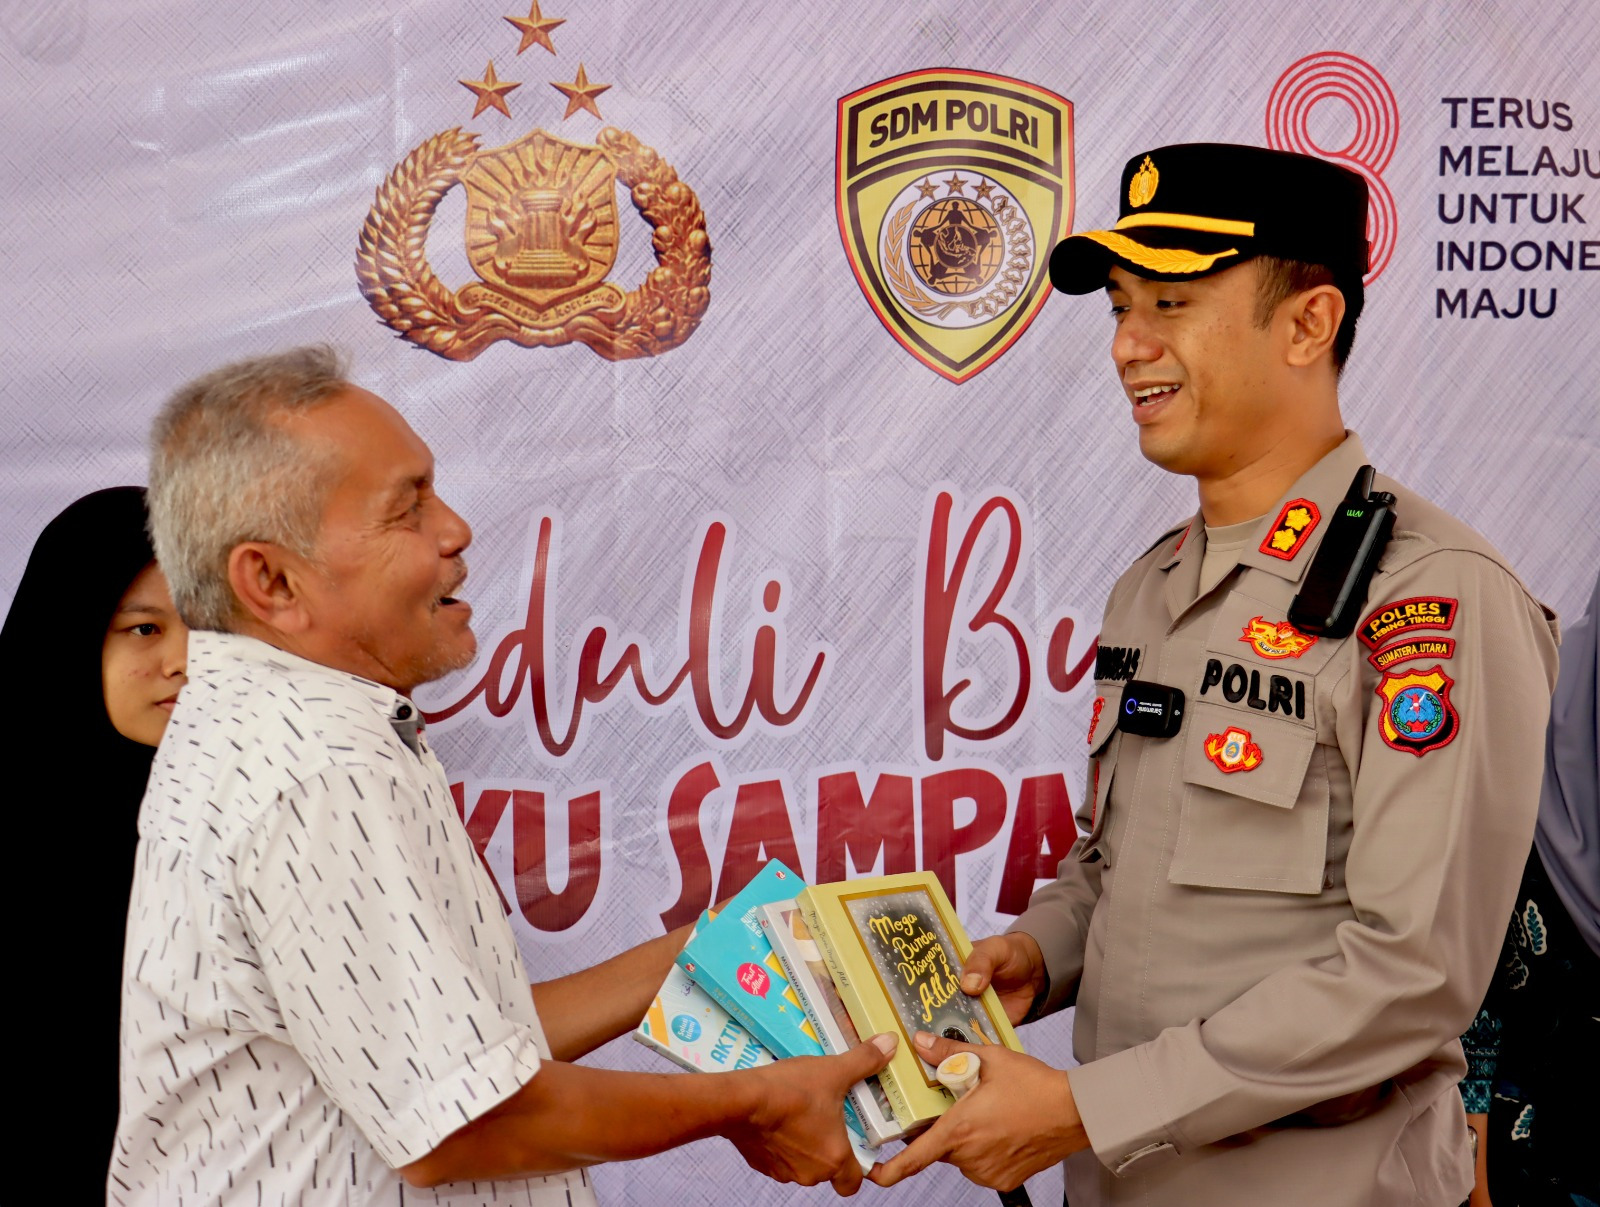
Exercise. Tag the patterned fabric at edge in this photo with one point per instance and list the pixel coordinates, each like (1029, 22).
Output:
(325, 985)
(1545, 1096)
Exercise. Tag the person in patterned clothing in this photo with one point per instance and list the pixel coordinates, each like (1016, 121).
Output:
(1533, 1083)
(323, 1001)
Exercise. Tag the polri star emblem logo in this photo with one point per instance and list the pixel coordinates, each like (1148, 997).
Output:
(952, 188)
(1417, 714)
(542, 230)
(1232, 750)
(1142, 188)
(1276, 641)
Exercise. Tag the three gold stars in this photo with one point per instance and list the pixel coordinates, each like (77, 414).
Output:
(580, 93)
(535, 28)
(490, 91)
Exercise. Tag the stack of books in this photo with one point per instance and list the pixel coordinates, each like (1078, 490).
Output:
(790, 970)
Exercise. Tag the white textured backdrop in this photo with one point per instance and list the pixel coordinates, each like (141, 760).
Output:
(184, 184)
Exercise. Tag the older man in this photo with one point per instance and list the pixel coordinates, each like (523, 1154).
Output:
(323, 1000)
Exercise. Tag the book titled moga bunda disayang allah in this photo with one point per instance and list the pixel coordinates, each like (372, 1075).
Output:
(894, 947)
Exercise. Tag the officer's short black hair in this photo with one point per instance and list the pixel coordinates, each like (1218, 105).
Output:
(1280, 279)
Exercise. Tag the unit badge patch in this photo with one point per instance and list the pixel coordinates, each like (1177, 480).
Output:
(1418, 612)
(1295, 523)
(1232, 750)
(1417, 647)
(1417, 713)
(952, 188)
(1276, 640)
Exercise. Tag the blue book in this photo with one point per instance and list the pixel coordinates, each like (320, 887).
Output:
(731, 958)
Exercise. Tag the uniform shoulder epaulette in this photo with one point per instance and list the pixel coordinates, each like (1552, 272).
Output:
(1422, 527)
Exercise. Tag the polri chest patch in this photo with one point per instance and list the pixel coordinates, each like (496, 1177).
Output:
(1261, 690)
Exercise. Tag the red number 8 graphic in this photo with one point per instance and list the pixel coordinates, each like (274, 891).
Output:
(1332, 75)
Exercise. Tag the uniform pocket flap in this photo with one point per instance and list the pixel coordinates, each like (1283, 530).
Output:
(1246, 754)
(1103, 716)
(1261, 825)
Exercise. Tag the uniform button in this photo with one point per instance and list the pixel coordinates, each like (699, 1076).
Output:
(404, 712)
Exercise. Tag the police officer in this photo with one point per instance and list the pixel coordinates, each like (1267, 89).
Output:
(1282, 915)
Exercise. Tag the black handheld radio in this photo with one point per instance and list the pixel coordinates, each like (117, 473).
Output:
(1336, 584)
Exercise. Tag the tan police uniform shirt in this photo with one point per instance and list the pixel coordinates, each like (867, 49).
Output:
(1280, 919)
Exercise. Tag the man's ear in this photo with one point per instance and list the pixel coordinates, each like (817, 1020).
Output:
(269, 582)
(1315, 315)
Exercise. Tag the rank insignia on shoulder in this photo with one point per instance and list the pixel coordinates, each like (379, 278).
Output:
(1417, 647)
(1417, 612)
(1094, 718)
(1297, 521)
(1417, 713)
(1276, 640)
(1232, 750)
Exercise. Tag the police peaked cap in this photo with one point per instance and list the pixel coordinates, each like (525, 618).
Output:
(1197, 208)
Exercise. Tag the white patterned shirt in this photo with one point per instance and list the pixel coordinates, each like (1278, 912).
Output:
(321, 984)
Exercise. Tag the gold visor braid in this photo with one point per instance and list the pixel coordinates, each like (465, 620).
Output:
(1157, 259)
(1190, 222)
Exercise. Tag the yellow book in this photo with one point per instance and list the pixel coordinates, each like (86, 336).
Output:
(894, 947)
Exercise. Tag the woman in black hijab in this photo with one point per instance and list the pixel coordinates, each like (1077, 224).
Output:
(93, 642)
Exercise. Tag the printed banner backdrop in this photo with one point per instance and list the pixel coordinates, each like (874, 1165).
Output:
(813, 567)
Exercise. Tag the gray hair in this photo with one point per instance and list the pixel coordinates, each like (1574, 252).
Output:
(223, 472)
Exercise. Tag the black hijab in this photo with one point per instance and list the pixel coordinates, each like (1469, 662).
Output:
(75, 787)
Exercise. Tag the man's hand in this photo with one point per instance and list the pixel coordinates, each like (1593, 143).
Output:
(797, 1134)
(1013, 964)
(1020, 1119)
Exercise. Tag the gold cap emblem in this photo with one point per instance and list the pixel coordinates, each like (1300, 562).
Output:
(1142, 188)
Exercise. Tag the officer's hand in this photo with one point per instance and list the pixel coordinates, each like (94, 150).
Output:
(798, 1133)
(1020, 1119)
(1013, 964)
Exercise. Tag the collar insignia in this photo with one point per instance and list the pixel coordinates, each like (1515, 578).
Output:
(1297, 521)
